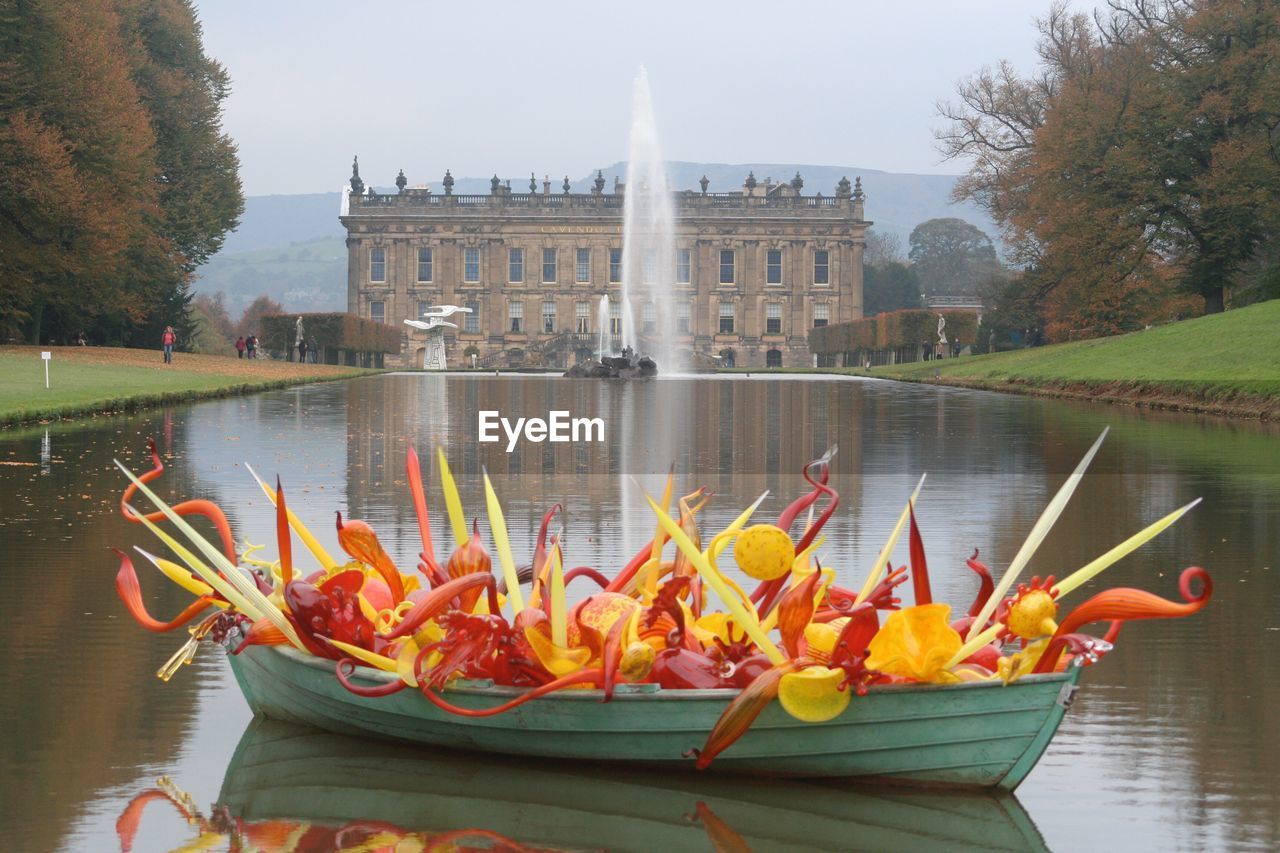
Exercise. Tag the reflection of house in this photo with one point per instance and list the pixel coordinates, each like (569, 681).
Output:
(649, 426)
(754, 270)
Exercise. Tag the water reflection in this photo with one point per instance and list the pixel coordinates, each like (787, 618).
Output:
(1172, 742)
(293, 788)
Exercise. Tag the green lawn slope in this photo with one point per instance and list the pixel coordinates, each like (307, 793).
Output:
(1227, 363)
(91, 380)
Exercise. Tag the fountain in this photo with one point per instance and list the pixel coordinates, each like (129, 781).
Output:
(648, 258)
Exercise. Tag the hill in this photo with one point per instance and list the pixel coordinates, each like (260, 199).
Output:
(291, 248)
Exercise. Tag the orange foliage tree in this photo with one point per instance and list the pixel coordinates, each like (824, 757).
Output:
(1140, 159)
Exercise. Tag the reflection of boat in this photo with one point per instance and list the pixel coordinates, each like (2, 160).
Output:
(980, 734)
(282, 772)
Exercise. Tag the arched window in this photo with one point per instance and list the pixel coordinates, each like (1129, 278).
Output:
(773, 358)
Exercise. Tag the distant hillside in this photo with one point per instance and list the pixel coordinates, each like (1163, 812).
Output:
(291, 248)
(273, 221)
(302, 276)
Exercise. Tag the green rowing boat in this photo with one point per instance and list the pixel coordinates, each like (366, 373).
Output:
(976, 734)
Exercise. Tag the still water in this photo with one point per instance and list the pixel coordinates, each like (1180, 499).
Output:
(1174, 740)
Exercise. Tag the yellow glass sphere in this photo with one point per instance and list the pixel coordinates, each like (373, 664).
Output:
(764, 552)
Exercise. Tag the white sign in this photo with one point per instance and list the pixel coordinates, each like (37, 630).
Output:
(46, 355)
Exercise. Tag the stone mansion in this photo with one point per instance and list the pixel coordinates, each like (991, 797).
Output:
(755, 269)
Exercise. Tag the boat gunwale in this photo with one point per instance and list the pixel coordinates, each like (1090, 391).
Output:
(638, 692)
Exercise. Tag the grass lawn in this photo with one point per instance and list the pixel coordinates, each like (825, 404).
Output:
(1237, 352)
(86, 380)
(1225, 363)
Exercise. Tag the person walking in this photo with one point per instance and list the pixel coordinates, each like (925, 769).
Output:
(168, 339)
(240, 347)
(302, 350)
(251, 343)
(312, 352)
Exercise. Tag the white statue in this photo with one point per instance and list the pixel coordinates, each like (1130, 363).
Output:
(942, 338)
(433, 357)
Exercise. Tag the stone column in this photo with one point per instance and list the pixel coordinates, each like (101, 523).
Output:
(354, 253)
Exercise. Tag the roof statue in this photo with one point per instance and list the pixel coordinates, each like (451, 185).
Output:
(357, 185)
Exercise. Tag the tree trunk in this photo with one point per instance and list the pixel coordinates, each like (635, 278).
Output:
(1214, 302)
(34, 324)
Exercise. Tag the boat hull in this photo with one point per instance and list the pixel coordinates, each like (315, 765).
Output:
(980, 735)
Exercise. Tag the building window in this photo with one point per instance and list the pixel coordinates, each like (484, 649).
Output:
(773, 319)
(582, 266)
(515, 315)
(650, 318)
(423, 308)
(615, 265)
(471, 265)
(726, 266)
(649, 266)
(773, 267)
(582, 318)
(424, 265)
(682, 317)
(682, 266)
(378, 311)
(773, 358)
(548, 317)
(515, 265)
(821, 267)
(726, 318)
(377, 265)
(471, 322)
(615, 317)
(821, 314)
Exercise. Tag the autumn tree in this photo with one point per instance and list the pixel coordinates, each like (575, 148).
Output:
(199, 192)
(211, 331)
(882, 248)
(76, 163)
(251, 321)
(1140, 156)
(117, 179)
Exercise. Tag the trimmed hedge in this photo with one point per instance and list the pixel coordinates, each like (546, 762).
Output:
(339, 331)
(892, 329)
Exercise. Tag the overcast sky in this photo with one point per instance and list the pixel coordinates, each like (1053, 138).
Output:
(511, 87)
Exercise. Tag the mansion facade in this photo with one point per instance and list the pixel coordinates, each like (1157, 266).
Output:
(755, 269)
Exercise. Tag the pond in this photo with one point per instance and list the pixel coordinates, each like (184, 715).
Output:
(1172, 742)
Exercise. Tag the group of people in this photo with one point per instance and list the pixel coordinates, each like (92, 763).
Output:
(246, 346)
